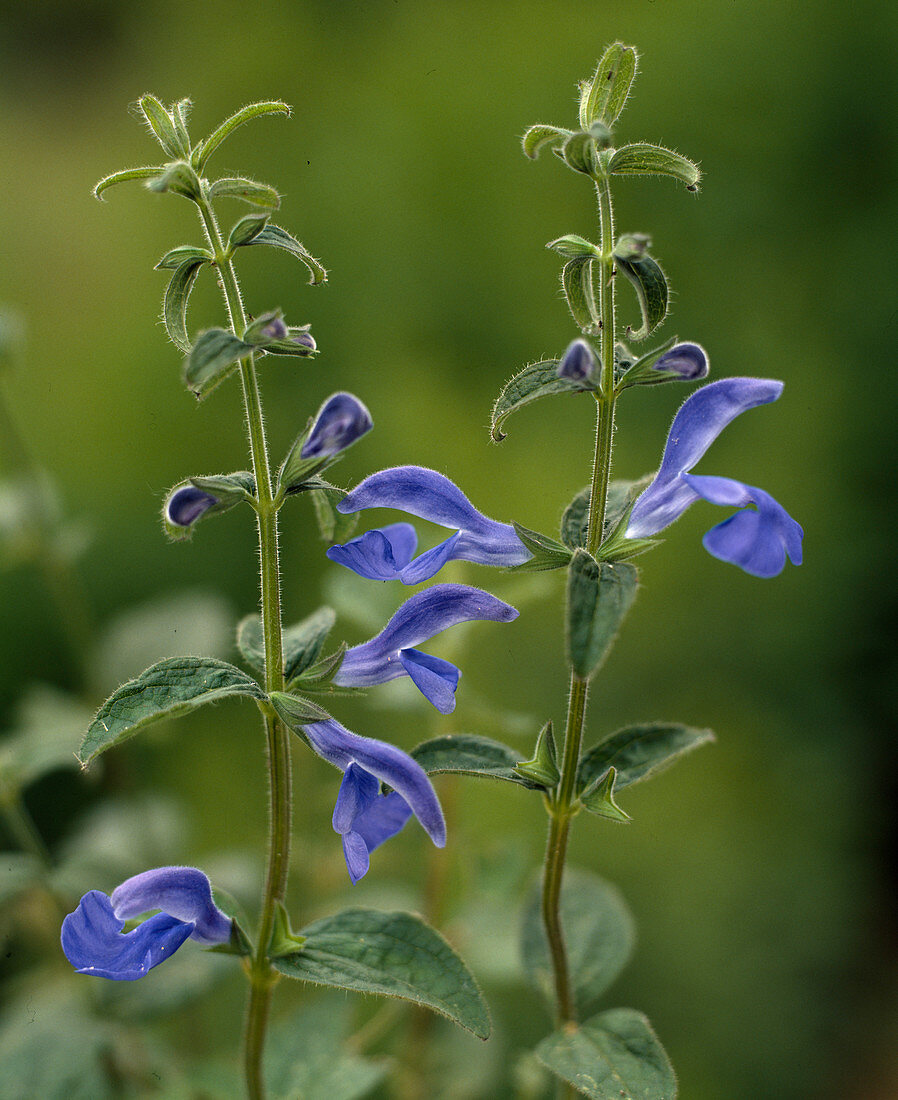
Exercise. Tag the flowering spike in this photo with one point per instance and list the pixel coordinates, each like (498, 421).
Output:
(759, 541)
(92, 938)
(391, 654)
(425, 493)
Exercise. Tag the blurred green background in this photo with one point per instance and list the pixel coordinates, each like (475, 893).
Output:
(760, 869)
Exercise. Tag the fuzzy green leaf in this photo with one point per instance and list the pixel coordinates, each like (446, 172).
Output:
(254, 110)
(246, 230)
(259, 194)
(165, 690)
(124, 177)
(599, 596)
(603, 99)
(295, 711)
(539, 135)
(547, 553)
(333, 525)
(468, 754)
(162, 125)
(276, 237)
(614, 1056)
(573, 246)
(644, 159)
(304, 641)
(174, 306)
(599, 931)
(184, 254)
(639, 752)
(251, 643)
(576, 281)
(391, 954)
(179, 178)
(650, 285)
(212, 358)
(533, 382)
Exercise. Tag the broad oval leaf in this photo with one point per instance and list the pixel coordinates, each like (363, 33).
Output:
(579, 152)
(599, 596)
(650, 285)
(165, 690)
(253, 110)
(304, 640)
(259, 194)
(276, 237)
(575, 521)
(535, 381)
(639, 752)
(614, 1056)
(212, 358)
(573, 246)
(603, 99)
(391, 954)
(576, 281)
(246, 230)
(174, 306)
(599, 932)
(644, 159)
(183, 254)
(468, 754)
(542, 134)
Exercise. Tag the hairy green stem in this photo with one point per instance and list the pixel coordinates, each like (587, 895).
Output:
(261, 973)
(562, 806)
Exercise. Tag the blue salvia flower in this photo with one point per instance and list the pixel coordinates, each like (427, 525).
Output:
(392, 654)
(92, 937)
(758, 539)
(341, 420)
(185, 506)
(385, 553)
(363, 816)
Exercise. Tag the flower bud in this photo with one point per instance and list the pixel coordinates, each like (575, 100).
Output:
(578, 362)
(689, 361)
(185, 506)
(341, 420)
(304, 339)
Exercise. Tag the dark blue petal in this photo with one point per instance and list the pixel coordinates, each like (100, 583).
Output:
(366, 818)
(421, 617)
(357, 791)
(383, 819)
(435, 678)
(702, 417)
(389, 764)
(756, 541)
(93, 942)
(578, 362)
(187, 504)
(429, 563)
(341, 420)
(380, 554)
(182, 892)
(689, 361)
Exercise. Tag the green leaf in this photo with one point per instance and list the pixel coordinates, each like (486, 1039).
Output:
(295, 711)
(392, 954)
(179, 178)
(251, 643)
(259, 194)
(124, 176)
(621, 495)
(180, 112)
(165, 690)
(639, 752)
(19, 871)
(547, 552)
(276, 237)
(304, 641)
(254, 110)
(614, 1056)
(174, 307)
(535, 381)
(47, 726)
(598, 799)
(295, 470)
(653, 160)
(575, 521)
(543, 767)
(573, 247)
(184, 254)
(576, 281)
(162, 125)
(468, 754)
(229, 488)
(539, 135)
(317, 677)
(212, 358)
(599, 932)
(579, 152)
(284, 940)
(599, 596)
(603, 99)
(333, 525)
(650, 285)
(246, 230)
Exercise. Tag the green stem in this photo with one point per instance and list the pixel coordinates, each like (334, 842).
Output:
(562, 806)
(261, 973)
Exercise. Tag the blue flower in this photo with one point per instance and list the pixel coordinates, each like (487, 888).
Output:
(390, 653)
(578, 362)
(92, 937)
(689, 361)
(185, 506)
(386, 552)
(341, 420)
(363, 816)
(756, 540)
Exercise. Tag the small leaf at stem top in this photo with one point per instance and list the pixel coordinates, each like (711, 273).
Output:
(604, 97)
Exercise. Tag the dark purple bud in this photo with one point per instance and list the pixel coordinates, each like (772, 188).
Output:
(578, 362)
(185, 506)
(689, 361)
(305, 339)
(341, 420)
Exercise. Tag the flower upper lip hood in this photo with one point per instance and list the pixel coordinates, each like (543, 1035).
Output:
(757, 541)
(340, 421)
(186, 504)
(363, 816)
(92, 937)
(386, 553)
(390, 654)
